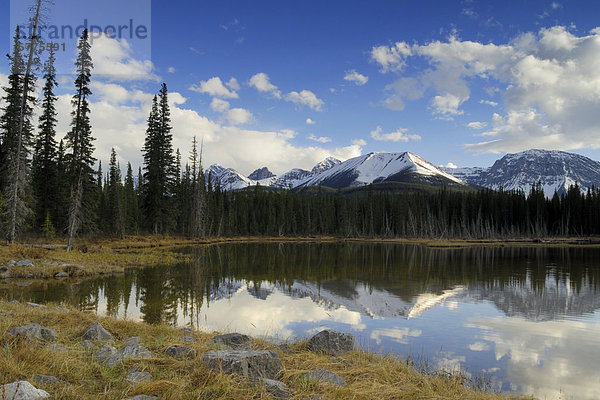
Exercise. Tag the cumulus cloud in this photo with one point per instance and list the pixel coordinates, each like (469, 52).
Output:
(238, 116)
(262, 83)
(233, 84)
(114, 59)
(219, 105)
(477, 125)
(550, 83)
(358, 79)
(397, 136)
(305, 97)
(450, 165)
(359, 142)
(310, 121)
(171, 70)
(214, 87)
(320, 139)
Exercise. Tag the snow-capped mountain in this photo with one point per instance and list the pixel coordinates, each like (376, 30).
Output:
(292, 178)
(324, 165)
(556, 170)
(260, 174)
(228, 178)
(382, 167)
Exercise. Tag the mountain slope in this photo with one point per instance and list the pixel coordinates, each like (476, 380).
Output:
(382, 167)
(227, 178)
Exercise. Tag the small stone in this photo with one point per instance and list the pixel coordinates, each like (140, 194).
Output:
(22, 390)
(3, 314)
(45, 379)
(180, 352)
(277, 388)
(33, 332)
(86, 344)
(134, 368)
(132, 340)
(24, 263)
(35, 305)
(59, 308)
(11, 263)
(56, 347)
(97, 332)
(61, 274)
(187, 331)
(249, 364)
(129, 351)
(135, 378)
(234, 341)
(284, 347)
(331, 342)
(16, 302)
(188, 339)
(339, 360)
(142, 397)
(324, 375)
(104, 353)
(23, 284)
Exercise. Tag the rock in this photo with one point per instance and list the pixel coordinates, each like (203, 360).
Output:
(33, 332)
(61, 274)
(35, 305)
(180, 352)
(16, 302)
(104, 353)
(339, 360)
(24, 263)
(5, 275)
(234, 341)
(59, 308)
(249, 364)
(3, 269)
(331, 342)
(188, 339)
(56, 347)
(134, 378)
(187, 331)
(97, 332)
(11, 263)
(277, 388)
(324, 375)
(24, 284)
(45, 379)
(284, 347)
(142, 397)
(3, 314)
(22, 390)
(132, 340)
(87, 344)
(129, 351)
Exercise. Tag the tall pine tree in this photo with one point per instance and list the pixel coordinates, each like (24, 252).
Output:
(79, 142)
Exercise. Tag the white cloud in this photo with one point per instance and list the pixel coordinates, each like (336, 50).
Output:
(288, 133)
(233, 84)
(391, 58)
(550, 84)
(479, 346)
(113, 59)
(451, 165)
(359, 142)
(477, 125)
(310, 121)
(358, 79)
(214, 87)
(171, 70)
(305, 97)
(238, 116)
(219, 105)
(398, 335)
(397, 136)
(320, 139)
(262, 83)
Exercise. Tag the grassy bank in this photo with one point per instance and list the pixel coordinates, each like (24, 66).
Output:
(368, 375)
(95, 256)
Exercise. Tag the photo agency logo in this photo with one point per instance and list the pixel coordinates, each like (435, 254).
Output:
(118, 31)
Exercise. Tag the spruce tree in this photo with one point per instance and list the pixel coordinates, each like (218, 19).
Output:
(114, 192)
(131, 202)
(79, 141)
(44, 164)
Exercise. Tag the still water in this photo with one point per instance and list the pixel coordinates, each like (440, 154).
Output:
(527, 319)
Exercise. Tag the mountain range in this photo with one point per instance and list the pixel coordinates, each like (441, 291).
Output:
(555, 170)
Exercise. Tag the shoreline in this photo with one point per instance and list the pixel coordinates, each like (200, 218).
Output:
(80, 374)
(99, 256)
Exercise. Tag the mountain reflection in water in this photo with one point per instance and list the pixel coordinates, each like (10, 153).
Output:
(528, 317)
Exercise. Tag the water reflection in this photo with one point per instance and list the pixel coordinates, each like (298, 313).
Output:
(528, 317)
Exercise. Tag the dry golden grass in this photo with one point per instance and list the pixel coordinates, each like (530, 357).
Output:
(369, 376)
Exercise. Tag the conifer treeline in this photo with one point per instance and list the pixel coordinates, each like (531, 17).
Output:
(68, 196)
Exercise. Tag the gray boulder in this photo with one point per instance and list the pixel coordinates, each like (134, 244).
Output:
(61, 274)
(104, 353)
(324, 375)
(277, 389)
(331, 342)
(11, 263)
(35, 305)
(135, 378)
(188, 339)
(56, 347)
(22, 390)
(129, 351)
(24, 263)
(234, 341)
(180, 352)
(249, 364)
(59, 308)
(142, 397)
(97, 332)
(45, 379)
(33, 332)
(132, 340)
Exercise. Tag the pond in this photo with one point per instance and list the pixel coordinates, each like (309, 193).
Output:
(526, 320)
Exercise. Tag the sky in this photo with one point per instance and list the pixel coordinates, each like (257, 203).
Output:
(286, 84)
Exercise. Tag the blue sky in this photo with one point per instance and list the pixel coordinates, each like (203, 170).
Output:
(454, 82)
